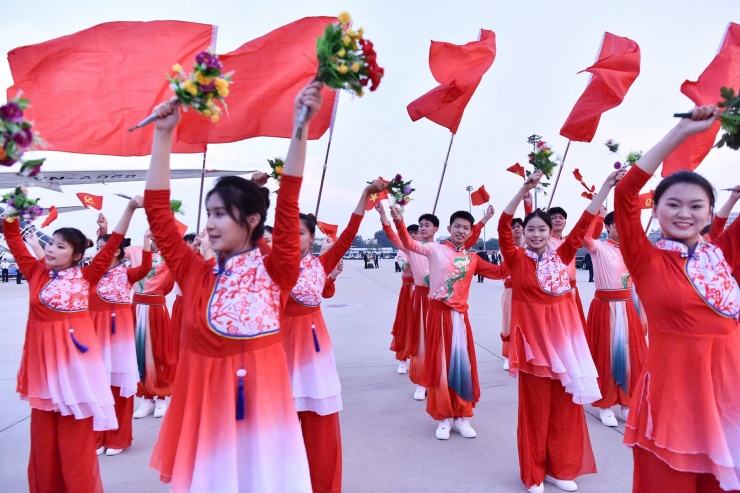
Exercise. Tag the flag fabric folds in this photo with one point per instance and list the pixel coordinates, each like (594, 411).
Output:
(268, 74)
(517, 169)
(53, 215)
(616, 68)
(723, 70)
(86, 89)
(90, 200)
(459, 70)
(374, 198)
(329, 230)
(480, 196)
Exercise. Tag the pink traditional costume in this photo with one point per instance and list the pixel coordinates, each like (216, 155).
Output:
(110, 310)
(550, 355)
(314, 377)
(62, 374)
(684, 423)
(232, 424)
(404, 314)
(553, 244)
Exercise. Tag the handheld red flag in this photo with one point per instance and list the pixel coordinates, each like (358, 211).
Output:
(616, 68)
(480, 196)
(53, 214)
(182, 228)
(646, 200)
(87, 66)
(517, 169)
(723, 70)
(374, 198)
(459, 70)
(329, 230)
(589, 193)
(90, 200)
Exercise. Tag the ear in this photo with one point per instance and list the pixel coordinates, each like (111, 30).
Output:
(253, 220)
(654, 213)
(76, 257)
(448, 229)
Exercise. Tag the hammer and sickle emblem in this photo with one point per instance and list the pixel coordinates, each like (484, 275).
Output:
(649, 202)
(89, 200)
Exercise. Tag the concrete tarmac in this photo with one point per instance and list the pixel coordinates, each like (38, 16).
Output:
(387, 437)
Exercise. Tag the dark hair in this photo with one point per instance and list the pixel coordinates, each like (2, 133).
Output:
(431, 218)
(125, 243)
(268, 228)
(462, 215)
(557, 210)
(242, 198)
(480, 248)
(309, 221)
(705, 229)
(78, 241)
(190, 237)
(541, 214)
(609, 219)
(517, 220)
(412, 228)
(684, 177)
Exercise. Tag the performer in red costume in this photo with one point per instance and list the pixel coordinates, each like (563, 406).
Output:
(684, 423)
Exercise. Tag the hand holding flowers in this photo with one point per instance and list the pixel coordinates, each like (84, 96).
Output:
(20, 206)
(17, 137)
(541, 160)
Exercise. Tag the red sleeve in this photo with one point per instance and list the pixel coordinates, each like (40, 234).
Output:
(284, 262)
(477, 228)
(505, 239)
(392, 236)
(567, 250)
(528, 209)
(408, 243)
(178, 256)
(94, 272)
(331, 258)
(717, 227)
(491, 271)
(330, 288)
(136, 274)
(636, 249)
(27, 263)
(729, 242)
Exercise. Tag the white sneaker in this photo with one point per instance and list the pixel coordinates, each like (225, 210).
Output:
(420, 394)
(443, 429)
(113, 451)
(607, 418)
(462, 426)
(506, 364)
(624, 413)
(537, 488)
(100, 451)
(145, 409)
(160, 407)
(563, 484)
(403, 367)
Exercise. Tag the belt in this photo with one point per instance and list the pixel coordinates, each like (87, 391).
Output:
(407, 280)
(572, 283)
(150, 299)
(424, 290)
(613, 294)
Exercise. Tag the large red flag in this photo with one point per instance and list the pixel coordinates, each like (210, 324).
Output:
(87, 88)
(480, 196)
(459, 70)
(724, 70)
(646, 200)
(268, 74)
(90, 200)
(616, 68)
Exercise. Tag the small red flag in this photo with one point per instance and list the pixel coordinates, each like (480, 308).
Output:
(646, 200)
(616, 68)
(329, 230)
(723, 70)
(480, 196)
(459, 70)
(374, 198)
(589, 193)
(90, 200)
(182, 228)
(517, 169)
(53, 214)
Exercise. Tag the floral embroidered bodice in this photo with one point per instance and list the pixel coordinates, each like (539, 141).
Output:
(311, 280)
(67, 291)
(114, 287)
(552, 273)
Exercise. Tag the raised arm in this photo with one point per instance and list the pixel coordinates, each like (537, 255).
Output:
(478, 227)
(720, 219)
(594, 232)
(636, 248)
(136, 274)
(32, 240)
(26, 262)
(528, 207)
(99, 266)
(387, 228)
(403, 235)
(729, 239)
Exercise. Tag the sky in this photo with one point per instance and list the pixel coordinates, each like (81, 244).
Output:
(531, 88)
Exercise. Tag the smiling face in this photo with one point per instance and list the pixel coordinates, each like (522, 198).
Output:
(684, 209)
(227, 236)
(536, 235)
(558, 223)
(59, 254)
(460, 230)
(517, 231)
(427, 230)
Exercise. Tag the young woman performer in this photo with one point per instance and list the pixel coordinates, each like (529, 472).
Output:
(316, 387)
(684, 423)
(62, 373)
(232, 423)
(548, 349)
(110, 310)
(193, 241)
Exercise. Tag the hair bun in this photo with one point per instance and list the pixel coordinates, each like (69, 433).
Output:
(266, 196)
(89, 243)
(126, 243)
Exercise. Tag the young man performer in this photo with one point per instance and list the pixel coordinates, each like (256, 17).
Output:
(559, 218)
(450, 368)
(614, 332)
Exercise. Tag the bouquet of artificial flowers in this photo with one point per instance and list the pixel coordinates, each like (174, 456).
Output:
(276, 165)
(176, 206)
(17, 137)
(400, 190)
(729, 118)
(20, 206)
(541, 160)
(632, 157)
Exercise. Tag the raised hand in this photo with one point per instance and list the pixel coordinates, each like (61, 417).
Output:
(310, 96)
(490, 211)
(102, 222)
(528, 201)
(702, 117)
(168, 115)
(396, 214)
(533, 180)
(260, 178)
(375, 186)
(136, 203)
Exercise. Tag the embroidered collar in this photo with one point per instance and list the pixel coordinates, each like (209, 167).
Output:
(677, 246)
(66, 273)
(224, 264)
(612, 242)
(559, 237)
(534, 255)
(450, 244)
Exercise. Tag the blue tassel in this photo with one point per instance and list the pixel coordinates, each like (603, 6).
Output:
(240, 400)
(315, 339)
(112, 323)
(81, 348)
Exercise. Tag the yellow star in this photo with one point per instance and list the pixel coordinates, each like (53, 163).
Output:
(374, 197)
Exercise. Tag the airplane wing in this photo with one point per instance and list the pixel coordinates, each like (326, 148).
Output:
(53, 180)
(62, 210)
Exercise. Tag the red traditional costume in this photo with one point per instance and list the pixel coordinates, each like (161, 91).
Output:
(550, 355)
(176, 319)
(506, 304)
(232, 424)
(404, 313)
(716, 229)
(686, 406)
(62, 374)
(110, 310)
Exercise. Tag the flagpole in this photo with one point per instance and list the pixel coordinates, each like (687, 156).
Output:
(326, 158)
(560, 170)
(202, 184)
(647, 229)
(444, 168)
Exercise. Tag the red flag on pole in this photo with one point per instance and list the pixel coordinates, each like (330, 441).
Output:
(53, 214)
(723, 70)
(646, 200)
(616, 68)
(329, 230)
(480, 196)
(90, 200)
(517, 169)
(118, 70)
(268, 73)
(459, 70)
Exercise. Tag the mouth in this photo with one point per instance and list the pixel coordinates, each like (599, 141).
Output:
(682, 225)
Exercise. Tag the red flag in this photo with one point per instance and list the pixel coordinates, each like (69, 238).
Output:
(616, 68)
(329, 230)
(87, 88)
(90, 200)
(517, 169)
(480, 196)
(459, 70)
(53, 214)
(589, 193)
(724, 70)
(182, 228)
(268, 73)
(374, 198)
(646, 200)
